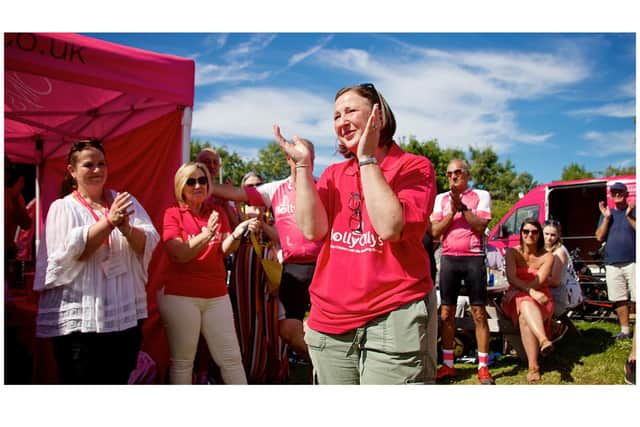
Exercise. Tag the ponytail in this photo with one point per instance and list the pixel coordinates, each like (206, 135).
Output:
(68, 184)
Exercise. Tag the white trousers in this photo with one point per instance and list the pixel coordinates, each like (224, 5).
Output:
(184, 318)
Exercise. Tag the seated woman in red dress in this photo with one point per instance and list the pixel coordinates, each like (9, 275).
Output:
(528, 301)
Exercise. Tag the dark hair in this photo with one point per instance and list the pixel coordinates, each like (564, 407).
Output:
(536, 224)
(68, 182)
(368, 91)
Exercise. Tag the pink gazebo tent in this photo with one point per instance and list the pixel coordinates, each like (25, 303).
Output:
(63, 87)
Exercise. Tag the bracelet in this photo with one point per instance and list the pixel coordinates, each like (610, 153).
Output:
(368, 161)
(126, 235)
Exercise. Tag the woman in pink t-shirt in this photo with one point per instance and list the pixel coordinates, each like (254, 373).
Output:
(373, 315)
(194, 295)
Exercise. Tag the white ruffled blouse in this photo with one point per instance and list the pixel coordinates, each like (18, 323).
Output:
(77, 295)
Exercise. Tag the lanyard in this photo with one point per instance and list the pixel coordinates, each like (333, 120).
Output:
(92, 212)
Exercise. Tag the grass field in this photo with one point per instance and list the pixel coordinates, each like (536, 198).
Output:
(593, 357)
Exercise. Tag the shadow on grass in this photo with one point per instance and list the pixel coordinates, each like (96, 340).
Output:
(572, 348)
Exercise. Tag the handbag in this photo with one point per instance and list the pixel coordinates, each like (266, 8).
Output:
(569, 294)
(272, 269)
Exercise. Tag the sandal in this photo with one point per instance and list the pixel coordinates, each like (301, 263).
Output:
(546, 348)
(533, 376)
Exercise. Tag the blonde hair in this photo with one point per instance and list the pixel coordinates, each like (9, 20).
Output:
(182, 175)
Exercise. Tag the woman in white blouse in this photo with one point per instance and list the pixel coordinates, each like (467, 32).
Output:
(91, 277)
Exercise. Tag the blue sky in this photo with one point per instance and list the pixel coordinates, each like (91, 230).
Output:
(541, 100)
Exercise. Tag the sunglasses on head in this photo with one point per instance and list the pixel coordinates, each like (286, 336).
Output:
(202, 180)
(552, 222)
(526, 231)
(455, 172)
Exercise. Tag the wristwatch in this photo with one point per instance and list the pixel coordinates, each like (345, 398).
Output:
(368, 161)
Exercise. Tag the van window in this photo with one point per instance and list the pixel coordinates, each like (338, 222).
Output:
(512, 224)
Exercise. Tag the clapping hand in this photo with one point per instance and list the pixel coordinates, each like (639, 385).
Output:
(120, 211)
(297, 151)
(604, 209)
(371, 135)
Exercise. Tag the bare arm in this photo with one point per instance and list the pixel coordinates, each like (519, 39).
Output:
(229, 192)
(560, 261)
(603, 228)
(440, 227)
(630, 216)
(232, 240)
(383, 206)
(311, 216)
(511, 270)
(477, 224)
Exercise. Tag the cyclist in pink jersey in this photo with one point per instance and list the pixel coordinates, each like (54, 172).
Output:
(298, 254)
(459, 218)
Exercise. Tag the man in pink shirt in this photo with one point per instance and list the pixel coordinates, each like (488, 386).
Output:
(459, 218)
(298, 254)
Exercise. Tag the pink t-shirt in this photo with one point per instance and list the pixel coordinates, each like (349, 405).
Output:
(280, 196)
(205, 276)
(460, 239)
(360, 277)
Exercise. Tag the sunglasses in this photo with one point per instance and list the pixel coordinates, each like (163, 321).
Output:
(617, 192)
(253, 185)
(355, 220)
(527, 231)
(455, 172)
(81, 145)
(552, 222)
(202, 180)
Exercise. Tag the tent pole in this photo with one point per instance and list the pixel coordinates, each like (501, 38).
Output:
(186, 134)
(38, 213)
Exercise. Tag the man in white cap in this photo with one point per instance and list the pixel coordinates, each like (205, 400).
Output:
(617, 227)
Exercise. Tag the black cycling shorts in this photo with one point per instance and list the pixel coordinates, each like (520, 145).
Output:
(294, 289)
(471, 270)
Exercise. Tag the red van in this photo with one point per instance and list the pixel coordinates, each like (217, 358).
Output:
(573, 203)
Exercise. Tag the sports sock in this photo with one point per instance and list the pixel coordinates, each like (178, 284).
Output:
(483, 359)
(447, 357)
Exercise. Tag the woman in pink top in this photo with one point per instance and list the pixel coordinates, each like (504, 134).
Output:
(372, 318)
(528, 301)
(194, 297)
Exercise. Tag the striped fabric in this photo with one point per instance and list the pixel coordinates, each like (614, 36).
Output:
(264, 354)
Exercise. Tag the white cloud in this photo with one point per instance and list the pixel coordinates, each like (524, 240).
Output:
(604, 144)
(251, 113)
(296, 58)
(207, 74)
(255, 43)
(620, 109)
(461, 98)
(216, 40)
(628, 90)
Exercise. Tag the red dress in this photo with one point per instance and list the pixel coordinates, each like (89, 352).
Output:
(511, 303)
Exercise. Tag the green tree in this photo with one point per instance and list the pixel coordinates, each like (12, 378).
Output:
(617, 171)
(575, 171)
(501, 180)
(271, 164)
(439, 158)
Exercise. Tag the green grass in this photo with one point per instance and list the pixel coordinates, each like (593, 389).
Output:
(594, 357)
